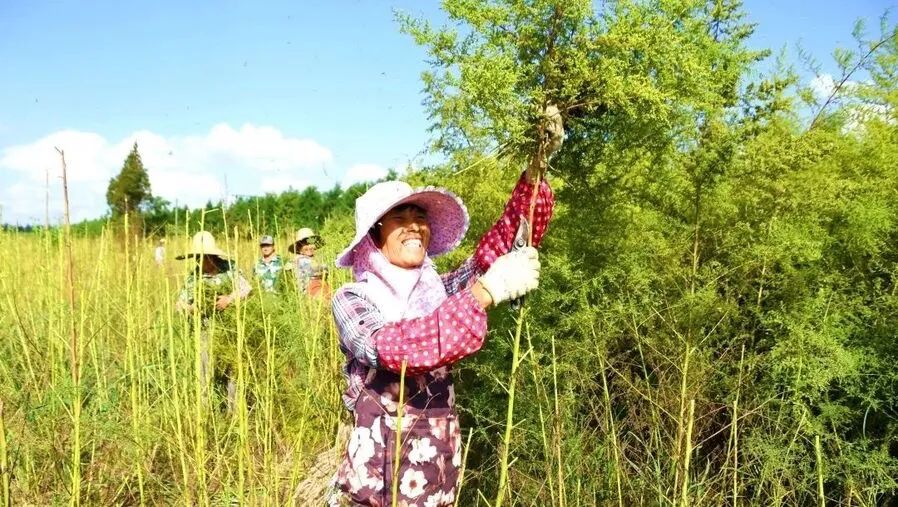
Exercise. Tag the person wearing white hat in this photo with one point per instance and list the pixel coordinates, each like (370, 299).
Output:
(269, 266)
(401, 315)
(212, 286)
(216, 273)
(309, 273)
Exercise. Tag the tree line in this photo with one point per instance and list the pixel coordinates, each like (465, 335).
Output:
(130, 192)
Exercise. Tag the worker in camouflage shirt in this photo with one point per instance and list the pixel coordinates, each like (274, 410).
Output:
(222, 283)
(269, 266)
(212, 286)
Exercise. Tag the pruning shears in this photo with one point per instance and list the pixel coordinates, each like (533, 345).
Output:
(521, 237)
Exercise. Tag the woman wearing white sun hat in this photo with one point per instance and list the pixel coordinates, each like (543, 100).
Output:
(211, 286)
(400, 310)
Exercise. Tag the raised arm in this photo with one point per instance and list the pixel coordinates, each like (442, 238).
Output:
(499, 239)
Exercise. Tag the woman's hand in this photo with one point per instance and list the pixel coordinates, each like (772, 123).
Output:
(223, 302)
(481, 295)
(511, 276)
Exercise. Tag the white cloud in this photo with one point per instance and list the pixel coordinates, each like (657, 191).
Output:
(189, 170)
(858, 112)
(360, 173)
(86, 160)
(823, 85)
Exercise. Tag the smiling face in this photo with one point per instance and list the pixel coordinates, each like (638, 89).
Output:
(403, 236)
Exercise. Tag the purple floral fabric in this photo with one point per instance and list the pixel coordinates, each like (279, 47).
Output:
(430, 449)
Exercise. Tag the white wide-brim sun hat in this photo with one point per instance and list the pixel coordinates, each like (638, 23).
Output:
(447, 215)
(203, 243)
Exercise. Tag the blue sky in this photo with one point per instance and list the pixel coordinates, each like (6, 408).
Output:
(265, 95)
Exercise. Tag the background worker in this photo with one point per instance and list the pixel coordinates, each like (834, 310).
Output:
(159, 253)
(310, 274)
(212, 285)
(269, 266)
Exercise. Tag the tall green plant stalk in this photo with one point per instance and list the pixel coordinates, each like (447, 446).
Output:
(684, 497)
(509, 414)
(734, 433)
(538, 161)
(818, 451)
(176, 390)
(130, 354)
(267, 406)
(552, 451)
(681, 418)
(245, 453)
(464, 465)
(609, 417)
(74, 362)
(397, 448)
(201, 385)
(557, 430)
(4, 460)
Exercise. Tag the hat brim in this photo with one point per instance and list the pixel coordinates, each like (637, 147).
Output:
(213, 253)
(295, 246)
(446, 213)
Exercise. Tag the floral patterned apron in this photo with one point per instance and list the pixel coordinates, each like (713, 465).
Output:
(430, 449)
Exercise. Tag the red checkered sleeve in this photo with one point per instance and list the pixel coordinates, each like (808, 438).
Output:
(499, 239)
(462, 278)
(455, 330)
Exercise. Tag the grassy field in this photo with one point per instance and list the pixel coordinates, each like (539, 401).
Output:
(121, 418)
(103, 402)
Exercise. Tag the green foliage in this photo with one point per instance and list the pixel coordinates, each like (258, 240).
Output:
(266, 214)
(698, 218)
(128, 191)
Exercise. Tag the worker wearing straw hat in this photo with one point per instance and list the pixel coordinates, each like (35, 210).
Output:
(212, 286)
(215, 271)
(309, 273)
(401, 315)
(269, 266)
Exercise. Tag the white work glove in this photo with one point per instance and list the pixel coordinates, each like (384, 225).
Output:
(512, 275)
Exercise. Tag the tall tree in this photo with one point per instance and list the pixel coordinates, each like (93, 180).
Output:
(717, 275)
(131, 188)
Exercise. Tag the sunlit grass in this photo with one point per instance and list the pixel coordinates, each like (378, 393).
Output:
(147, 436)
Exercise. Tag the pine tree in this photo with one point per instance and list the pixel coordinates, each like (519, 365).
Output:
(131, 188)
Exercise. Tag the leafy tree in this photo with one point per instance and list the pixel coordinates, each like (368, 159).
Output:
(130, 188)
(709, 251)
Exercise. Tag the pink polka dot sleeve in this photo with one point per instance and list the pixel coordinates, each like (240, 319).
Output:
(455, 330)
(498, 240)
